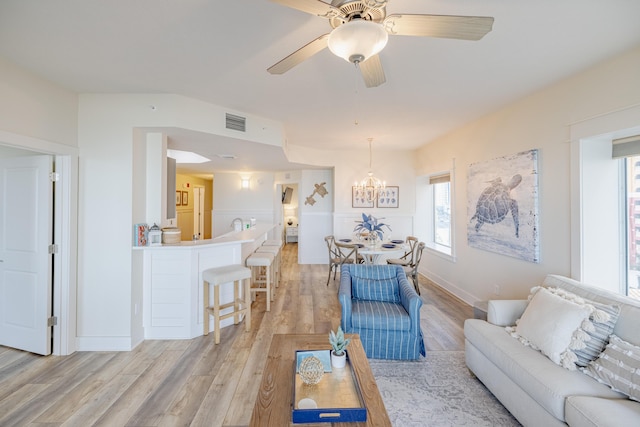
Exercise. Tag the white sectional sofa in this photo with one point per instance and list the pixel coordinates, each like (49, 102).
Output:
(537, 391)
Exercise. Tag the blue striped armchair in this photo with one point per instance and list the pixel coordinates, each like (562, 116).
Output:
(380, 305)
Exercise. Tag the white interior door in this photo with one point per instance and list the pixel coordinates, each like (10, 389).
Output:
(26, 195)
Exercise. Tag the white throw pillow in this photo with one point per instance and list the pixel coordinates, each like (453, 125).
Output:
(552, 324)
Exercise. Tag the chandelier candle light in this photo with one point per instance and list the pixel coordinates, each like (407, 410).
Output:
(370, 186)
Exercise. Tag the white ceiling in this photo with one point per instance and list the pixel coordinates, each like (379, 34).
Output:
(218, 51)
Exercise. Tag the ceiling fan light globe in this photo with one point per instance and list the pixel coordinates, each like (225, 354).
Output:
(357, 40)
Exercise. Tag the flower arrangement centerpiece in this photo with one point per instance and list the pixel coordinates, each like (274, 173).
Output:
(370, 225)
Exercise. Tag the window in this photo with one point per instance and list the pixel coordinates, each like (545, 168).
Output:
(439, 217)
(441, 211)
(632, 220)
(435, 212)
(627, 150)
(600, 235)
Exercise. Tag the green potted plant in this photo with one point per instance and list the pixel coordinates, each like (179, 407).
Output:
(338, 348)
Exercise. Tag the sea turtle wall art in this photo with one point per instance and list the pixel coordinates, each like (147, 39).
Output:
(503, 205)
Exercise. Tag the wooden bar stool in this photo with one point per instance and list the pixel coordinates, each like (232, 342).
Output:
(261, 265)
(216, 277)
(272, 242)
(275, 251)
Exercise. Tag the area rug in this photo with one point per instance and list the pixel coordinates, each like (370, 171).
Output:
(437, 391)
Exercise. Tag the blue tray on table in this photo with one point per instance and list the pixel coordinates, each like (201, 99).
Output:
(337, 396)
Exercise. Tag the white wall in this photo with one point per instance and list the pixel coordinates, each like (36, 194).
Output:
(397, 168)
(108, 128)
(541, 121)
(394, 167)
(316, 220)
(231, 201)
(36, 108)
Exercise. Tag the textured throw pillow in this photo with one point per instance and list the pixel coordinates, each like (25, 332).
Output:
(386, 290)
(602, 328)
(618, 367)
(552, 324)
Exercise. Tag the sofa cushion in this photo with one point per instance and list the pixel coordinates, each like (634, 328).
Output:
(538, 376)
(379, 315)
(599, 336)
(587, 411)
(618, 367)
(551, 323)
(386, 289)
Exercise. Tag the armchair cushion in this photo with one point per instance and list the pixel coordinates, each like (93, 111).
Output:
(375, 289)
(379, 315)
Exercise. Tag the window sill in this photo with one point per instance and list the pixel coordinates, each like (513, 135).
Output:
(433, 249)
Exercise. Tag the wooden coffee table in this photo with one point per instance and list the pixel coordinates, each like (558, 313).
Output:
(275, 397)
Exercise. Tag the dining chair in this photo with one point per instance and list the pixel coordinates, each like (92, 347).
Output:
(349, 253)
(411, 270)
(405, 259)
(334, 257)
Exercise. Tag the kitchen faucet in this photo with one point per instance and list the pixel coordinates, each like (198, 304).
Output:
(233, 223)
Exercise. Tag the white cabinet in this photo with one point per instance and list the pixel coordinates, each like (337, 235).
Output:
(173, 288)
(291, 234)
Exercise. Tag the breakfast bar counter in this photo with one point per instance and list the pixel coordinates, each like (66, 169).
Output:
(172, 280)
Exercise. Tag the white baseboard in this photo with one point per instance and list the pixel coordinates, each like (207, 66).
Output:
(451, 288)
(104, 344)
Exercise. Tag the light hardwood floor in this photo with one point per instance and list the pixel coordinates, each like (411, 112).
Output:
(191, 382)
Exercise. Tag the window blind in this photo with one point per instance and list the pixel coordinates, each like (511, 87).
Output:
(626, 147)
(439, 179)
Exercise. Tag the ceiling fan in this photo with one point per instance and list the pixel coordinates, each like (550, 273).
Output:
(361, 28)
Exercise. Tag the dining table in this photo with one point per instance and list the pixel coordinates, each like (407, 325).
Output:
(380, 251)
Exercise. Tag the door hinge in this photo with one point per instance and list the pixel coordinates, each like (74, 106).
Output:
(53, 249)
(54, 176)
(52, 321)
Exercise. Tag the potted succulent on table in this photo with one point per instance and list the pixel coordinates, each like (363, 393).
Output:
(338, 345)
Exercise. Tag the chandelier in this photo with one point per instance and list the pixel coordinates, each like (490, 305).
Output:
(370, 187)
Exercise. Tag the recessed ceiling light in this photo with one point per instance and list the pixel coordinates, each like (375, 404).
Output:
(186, 156)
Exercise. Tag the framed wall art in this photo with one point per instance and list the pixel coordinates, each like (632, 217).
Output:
(178, 198)
(502, 208)
(359, 199)
(185, 198)
(389, 197)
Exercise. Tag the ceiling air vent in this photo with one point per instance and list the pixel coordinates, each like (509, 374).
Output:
(234, 122)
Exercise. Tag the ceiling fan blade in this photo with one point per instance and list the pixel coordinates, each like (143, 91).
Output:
(372, 71)
(314, 7)
(444, 26)
(305, 52)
